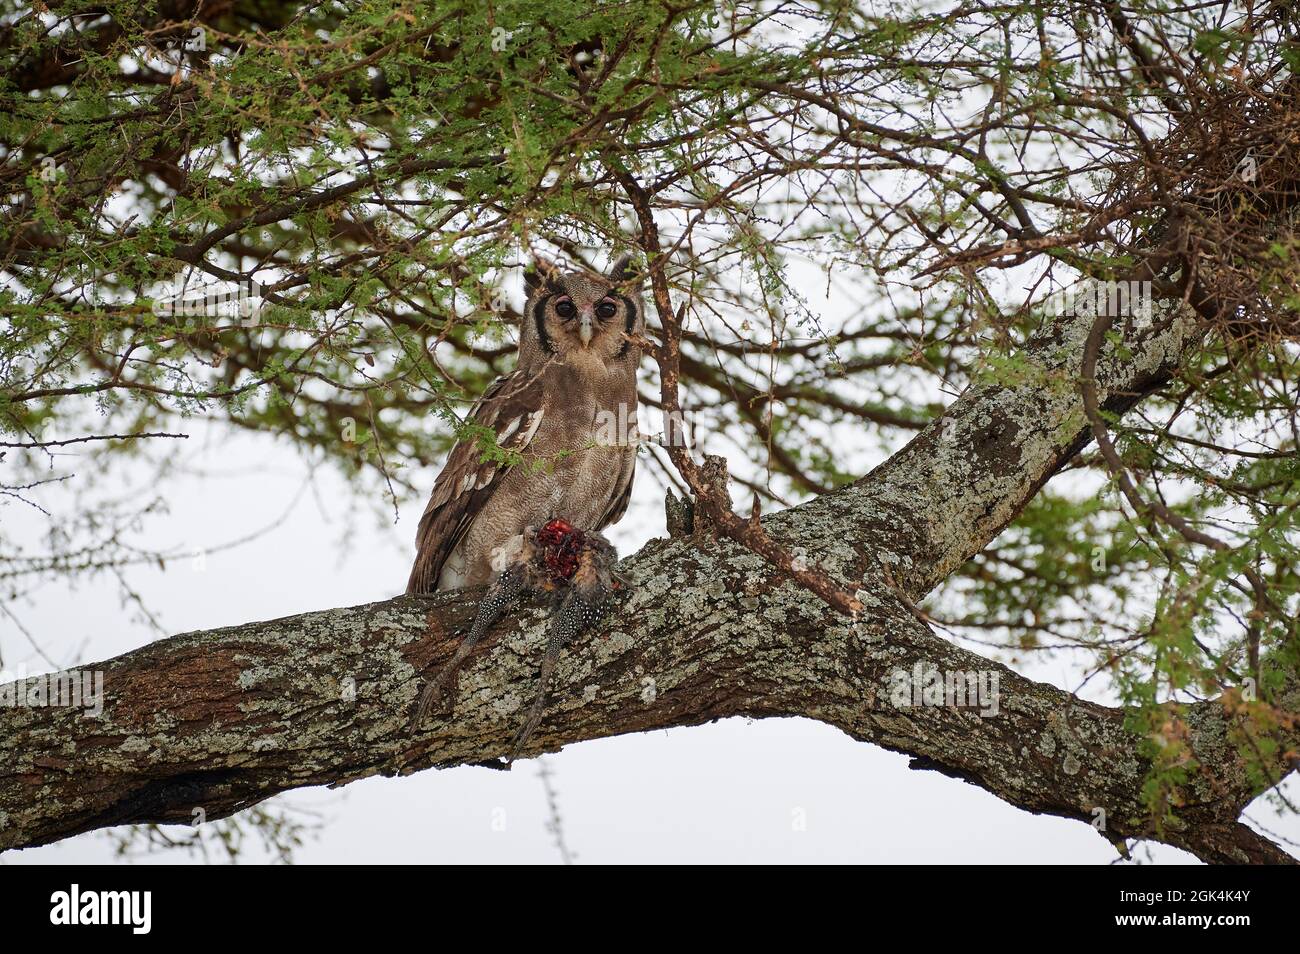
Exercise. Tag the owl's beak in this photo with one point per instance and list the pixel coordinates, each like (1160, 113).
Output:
(586, 329)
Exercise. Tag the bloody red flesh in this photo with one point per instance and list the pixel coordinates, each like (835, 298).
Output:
(560, 543)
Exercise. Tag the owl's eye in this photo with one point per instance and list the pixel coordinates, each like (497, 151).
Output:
(564, 308)
(606, 309)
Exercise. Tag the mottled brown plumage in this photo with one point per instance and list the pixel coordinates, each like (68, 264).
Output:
(567, 413)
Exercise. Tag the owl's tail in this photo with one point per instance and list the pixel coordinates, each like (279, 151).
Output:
(421, 579)
(428, 563)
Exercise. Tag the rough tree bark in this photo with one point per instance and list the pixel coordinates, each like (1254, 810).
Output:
(220, 720)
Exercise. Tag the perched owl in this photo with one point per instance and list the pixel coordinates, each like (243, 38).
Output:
(567, 418)
(566, 415)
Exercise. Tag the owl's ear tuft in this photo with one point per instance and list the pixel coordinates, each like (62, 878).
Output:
(537, 274)
(620, 270)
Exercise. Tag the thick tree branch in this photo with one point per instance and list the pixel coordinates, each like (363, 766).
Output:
(220, 720)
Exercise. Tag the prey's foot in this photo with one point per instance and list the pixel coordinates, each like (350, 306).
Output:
(503, 594)
(530, 724)
(582, 610)
(438, 695)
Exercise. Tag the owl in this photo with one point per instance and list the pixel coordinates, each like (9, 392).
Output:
(566, 419)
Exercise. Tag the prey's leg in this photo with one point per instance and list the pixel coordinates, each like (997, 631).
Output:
(503, 595)
(553, 646)
(575, 616)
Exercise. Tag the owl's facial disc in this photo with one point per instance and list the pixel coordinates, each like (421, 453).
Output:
(585, 314)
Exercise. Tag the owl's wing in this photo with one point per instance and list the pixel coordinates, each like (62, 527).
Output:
(512, 407)
(619, 499)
